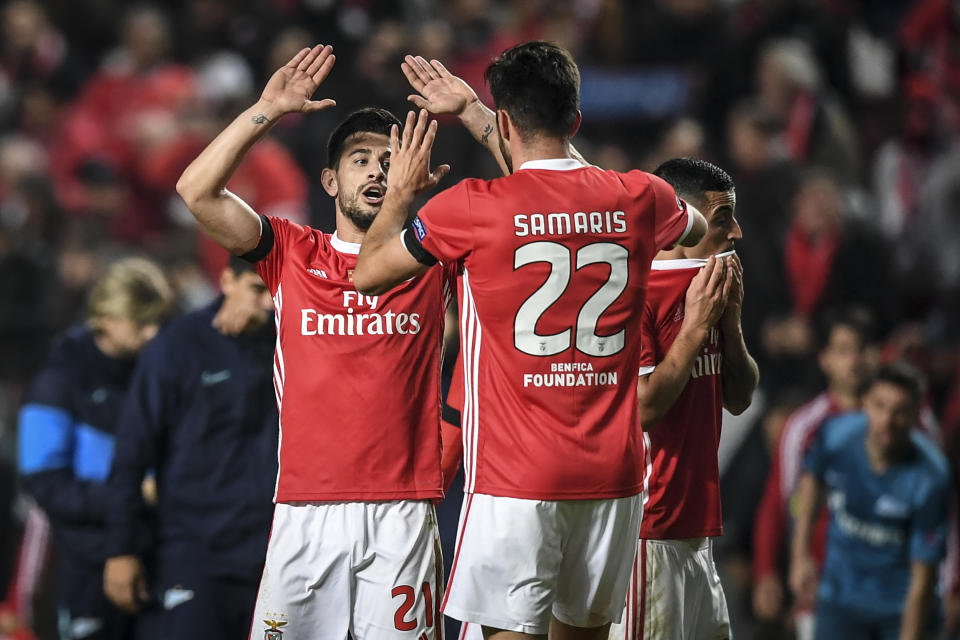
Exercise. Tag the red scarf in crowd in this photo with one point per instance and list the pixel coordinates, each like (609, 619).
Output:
(809, 262)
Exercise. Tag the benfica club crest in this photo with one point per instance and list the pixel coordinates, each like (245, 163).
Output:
(274, 621)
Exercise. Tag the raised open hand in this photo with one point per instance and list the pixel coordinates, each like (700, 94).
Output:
(410, 156)
(439, 90)
(291, 87)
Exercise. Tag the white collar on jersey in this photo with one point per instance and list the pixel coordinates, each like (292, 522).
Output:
(685, 263)
(553, 164)
(343, 246)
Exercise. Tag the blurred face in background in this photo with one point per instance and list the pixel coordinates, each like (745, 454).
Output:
(248, 296)
(360, 180)
(121, 337)
(891, 412)
(146, 36)
(23, 24)
(844, 360)
(818, 206)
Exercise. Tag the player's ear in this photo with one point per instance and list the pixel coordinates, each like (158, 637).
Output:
(576, 124)
(503, 124)
(227, 280)
(328, 178)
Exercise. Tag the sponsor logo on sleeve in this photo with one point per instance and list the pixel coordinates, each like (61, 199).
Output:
(419, 229)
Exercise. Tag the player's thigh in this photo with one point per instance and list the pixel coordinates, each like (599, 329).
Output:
(655, 604)
(399, 579)
(505, 565)
(713, 618)
(599, 548)
(306, 587)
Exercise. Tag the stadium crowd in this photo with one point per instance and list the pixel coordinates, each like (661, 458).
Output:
(838, 120)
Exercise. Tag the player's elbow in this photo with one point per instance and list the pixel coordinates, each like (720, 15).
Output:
(737, 407)
(649, 415)
(193, 192)
(366, 280)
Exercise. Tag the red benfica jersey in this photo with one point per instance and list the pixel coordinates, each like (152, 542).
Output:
(556, 258)
(357, 377)
(683, 475)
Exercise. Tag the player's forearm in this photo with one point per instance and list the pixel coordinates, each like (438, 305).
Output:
(481, 122)
(915, 609)
(659, 391)
(203, 184)
(807, 500)
(373, 274)
(740, 373)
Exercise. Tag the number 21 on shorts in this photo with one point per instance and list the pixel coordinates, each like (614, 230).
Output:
(409, 596)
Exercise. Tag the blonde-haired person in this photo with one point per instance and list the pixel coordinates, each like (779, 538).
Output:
(66, 434)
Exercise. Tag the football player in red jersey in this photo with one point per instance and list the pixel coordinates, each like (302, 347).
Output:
(354, 548)
(555, 260)
(694, 363)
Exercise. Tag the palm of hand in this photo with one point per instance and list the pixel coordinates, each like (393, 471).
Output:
(289, 89)
(448, 95)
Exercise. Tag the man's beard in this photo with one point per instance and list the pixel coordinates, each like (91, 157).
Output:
(361, 219)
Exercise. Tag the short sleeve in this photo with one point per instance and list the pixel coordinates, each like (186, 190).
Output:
(443, 226)
(648, 336)
(815, 460)
(928, 532)
(674, 218)
(268, 260)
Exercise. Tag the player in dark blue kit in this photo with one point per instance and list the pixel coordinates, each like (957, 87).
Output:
(201, 412)
(886, 489)
(67, 429)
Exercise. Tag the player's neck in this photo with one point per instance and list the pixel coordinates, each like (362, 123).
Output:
(541, 148)
(347, 231)
(843, 400)
(878, 458)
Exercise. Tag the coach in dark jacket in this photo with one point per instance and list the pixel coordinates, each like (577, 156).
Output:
(200, 412)
(66, 436)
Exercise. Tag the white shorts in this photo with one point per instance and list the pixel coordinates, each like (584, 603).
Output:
(370, 569)
(675, 594)
(519, 561)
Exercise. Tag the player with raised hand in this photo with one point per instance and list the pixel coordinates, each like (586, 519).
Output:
(555, 259)
(354, 549)
(441, 92)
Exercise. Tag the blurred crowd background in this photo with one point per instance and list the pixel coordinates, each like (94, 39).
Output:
(839, 120)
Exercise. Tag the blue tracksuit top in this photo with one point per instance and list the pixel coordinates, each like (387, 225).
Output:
(879, 524)
(66, 440)
(201, 412)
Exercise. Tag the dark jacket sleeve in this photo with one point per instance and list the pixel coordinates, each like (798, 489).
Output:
(47, 442)
(139, 439)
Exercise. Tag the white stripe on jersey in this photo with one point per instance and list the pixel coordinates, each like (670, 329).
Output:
(472, 336)
(278, 377)
(647, 468)
(795, 434)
